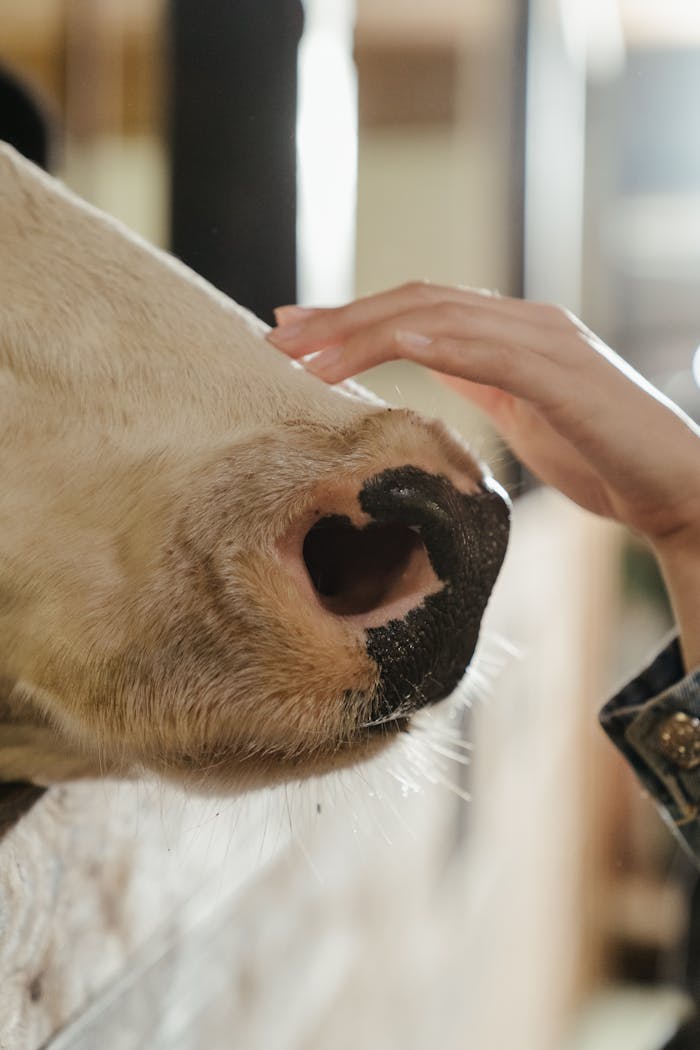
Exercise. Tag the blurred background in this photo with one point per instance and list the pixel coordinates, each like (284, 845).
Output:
(547, 148)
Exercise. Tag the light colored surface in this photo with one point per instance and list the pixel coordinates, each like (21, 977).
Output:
(88, 878)
(675, 23)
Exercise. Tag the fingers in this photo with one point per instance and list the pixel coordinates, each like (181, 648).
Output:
(466, 341)
(575, 412)
(302, 331)
(326, 327)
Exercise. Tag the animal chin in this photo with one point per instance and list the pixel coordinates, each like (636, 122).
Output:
(211, 770)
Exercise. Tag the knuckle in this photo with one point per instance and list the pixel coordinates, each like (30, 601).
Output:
(484, 293)
(568, 316)
(420, 289)
(558, 313)
(552, 312)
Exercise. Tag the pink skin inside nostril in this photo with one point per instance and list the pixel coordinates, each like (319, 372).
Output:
(379, 587)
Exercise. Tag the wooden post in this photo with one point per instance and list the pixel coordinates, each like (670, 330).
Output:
(233, 147)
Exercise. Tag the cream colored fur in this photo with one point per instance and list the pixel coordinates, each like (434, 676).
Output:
(153, 446)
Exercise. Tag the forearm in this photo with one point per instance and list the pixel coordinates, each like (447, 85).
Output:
(680, 564)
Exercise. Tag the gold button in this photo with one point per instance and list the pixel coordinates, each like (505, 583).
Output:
(679, 739)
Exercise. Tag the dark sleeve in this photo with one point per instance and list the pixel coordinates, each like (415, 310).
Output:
(655, 722)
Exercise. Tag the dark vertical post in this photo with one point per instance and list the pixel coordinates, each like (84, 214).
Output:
(517, 168)
(521, 480)
(232, 117)
(25, 122)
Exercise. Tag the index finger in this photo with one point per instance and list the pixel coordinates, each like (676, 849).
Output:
(321, 328)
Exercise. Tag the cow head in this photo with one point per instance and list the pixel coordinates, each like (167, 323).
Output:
(211, 564)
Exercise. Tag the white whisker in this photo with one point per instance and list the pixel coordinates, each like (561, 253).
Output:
(454, 756)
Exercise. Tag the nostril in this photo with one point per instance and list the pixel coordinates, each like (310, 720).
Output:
(371, 570)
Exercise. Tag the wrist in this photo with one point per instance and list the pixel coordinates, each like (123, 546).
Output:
(679, 559)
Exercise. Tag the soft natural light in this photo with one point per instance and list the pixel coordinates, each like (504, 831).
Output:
(593, 35)
(326, 153)
(696, 366)
(554, 160)
(661, 21)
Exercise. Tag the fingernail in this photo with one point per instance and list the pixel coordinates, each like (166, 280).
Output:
(412, 340)
(325, 361)
(285, 315)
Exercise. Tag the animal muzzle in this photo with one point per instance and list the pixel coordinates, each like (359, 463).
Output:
(415, 576)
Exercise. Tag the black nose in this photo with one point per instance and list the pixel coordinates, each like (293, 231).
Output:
(423, 656)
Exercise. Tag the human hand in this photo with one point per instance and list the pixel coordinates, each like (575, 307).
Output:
(574, 412)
